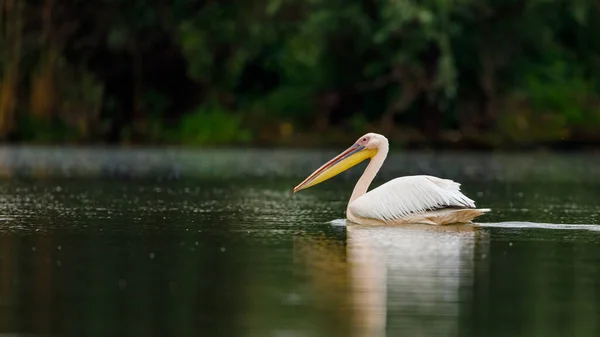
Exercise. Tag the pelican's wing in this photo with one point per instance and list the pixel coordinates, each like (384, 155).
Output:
(410, 195)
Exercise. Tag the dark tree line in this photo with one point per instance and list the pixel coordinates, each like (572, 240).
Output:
(480, 72)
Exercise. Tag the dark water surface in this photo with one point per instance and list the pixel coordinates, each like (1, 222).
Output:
(212, 243)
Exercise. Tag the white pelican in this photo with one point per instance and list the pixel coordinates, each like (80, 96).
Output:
(405, 200)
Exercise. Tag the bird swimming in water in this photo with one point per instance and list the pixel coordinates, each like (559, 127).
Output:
(420, 199)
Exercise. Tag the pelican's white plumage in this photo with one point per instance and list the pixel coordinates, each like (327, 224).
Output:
(413, 199)
(406, 196)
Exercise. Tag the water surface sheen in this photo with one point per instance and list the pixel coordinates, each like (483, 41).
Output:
(180, 243)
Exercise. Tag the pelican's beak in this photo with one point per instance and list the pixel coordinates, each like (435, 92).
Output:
(345, 160)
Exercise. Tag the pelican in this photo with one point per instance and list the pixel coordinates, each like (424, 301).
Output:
(420, 199)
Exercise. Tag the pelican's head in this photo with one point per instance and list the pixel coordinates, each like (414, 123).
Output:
(364, 148)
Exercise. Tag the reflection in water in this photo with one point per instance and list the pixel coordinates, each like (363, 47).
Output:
(408, 279)
(324, 261)
(414, 273)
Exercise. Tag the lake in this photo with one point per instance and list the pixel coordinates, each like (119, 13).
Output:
(182, 242)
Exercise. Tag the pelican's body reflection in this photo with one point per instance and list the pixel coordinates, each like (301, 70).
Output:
(410, 278)
(407, 279)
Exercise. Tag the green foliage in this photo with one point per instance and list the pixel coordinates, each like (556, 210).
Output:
(219, 40)
(558, 88)
(559, 101)
(212, 125)
(292, 102)
(525, 70)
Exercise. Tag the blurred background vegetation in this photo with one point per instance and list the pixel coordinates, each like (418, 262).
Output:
(449, 73)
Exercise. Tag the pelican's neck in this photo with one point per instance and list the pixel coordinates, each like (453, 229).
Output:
(370, 172)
